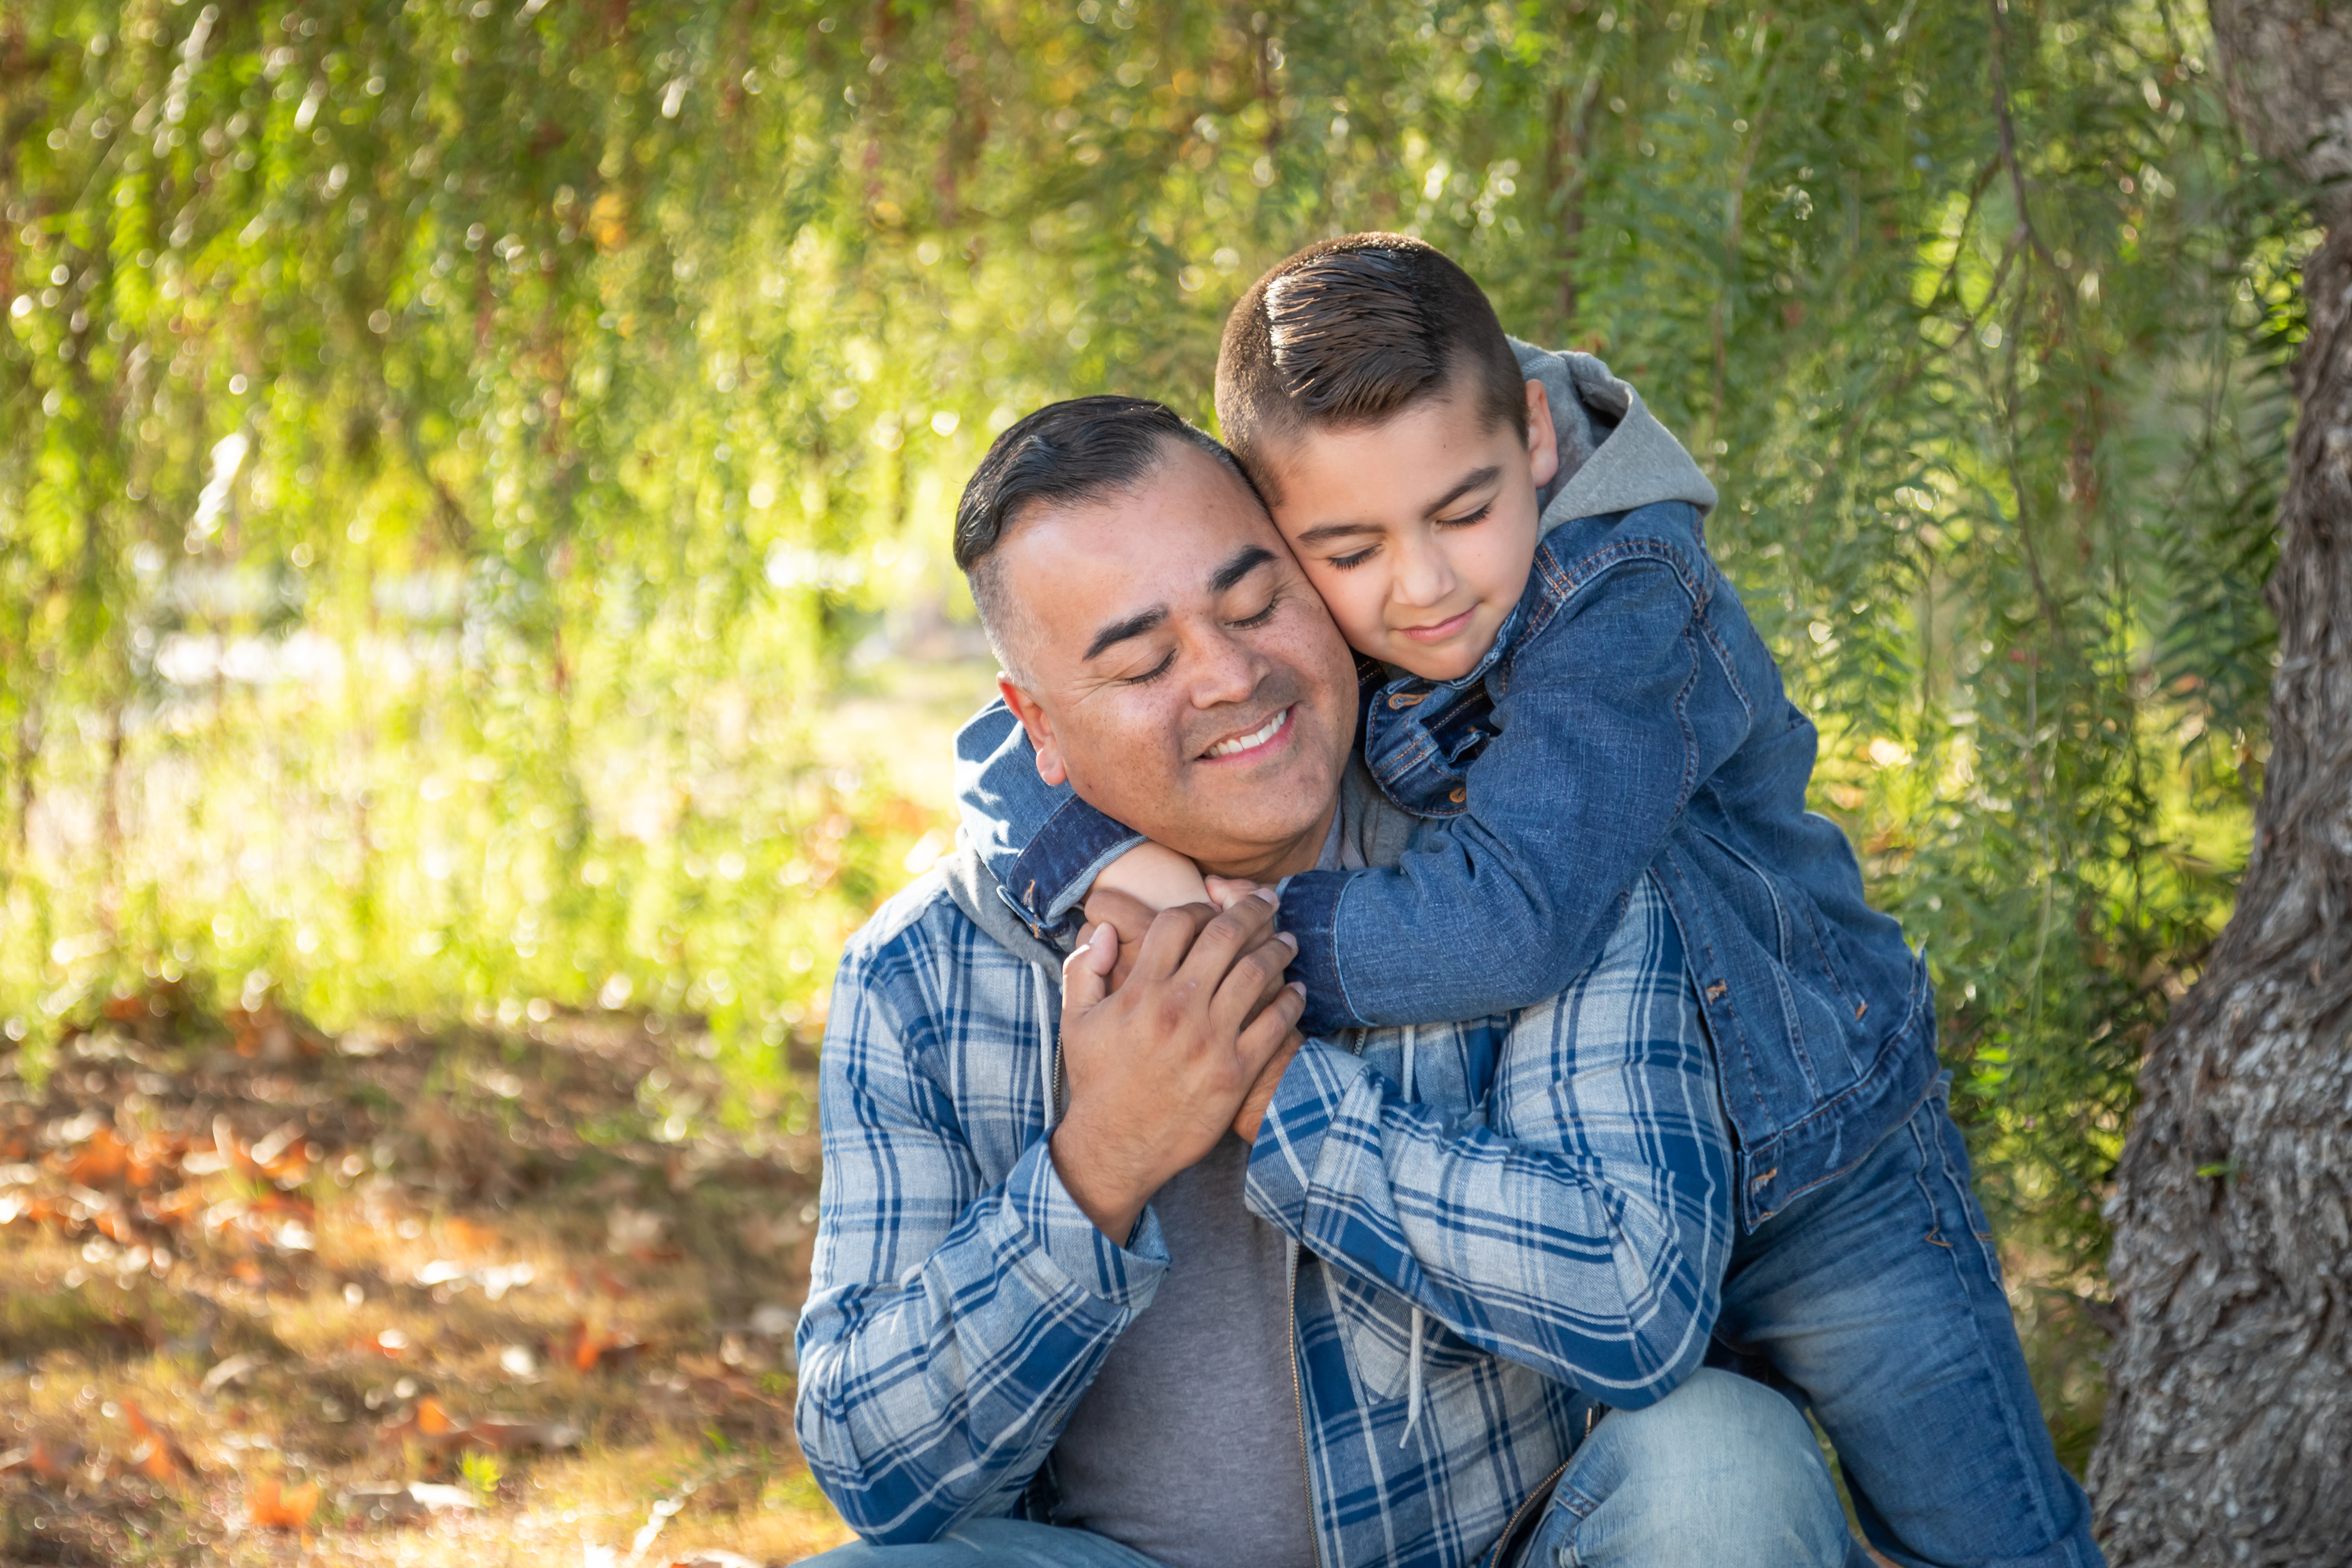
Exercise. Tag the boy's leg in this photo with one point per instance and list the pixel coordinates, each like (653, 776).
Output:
(1721, 1473)
(1879, 1297)
(992, 1543)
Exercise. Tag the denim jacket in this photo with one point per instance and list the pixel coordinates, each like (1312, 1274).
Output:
(1628, 719)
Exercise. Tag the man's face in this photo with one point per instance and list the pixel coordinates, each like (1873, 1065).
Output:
(1179, 670)
(1419, 530)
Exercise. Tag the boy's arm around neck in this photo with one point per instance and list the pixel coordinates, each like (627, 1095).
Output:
(1616, 709)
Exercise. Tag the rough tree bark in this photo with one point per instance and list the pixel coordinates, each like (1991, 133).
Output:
(2229, 1431)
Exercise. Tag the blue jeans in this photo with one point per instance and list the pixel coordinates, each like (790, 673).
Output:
(1722, 1473)
(1877, 1300)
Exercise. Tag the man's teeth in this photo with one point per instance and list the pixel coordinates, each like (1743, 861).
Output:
(1257, 738)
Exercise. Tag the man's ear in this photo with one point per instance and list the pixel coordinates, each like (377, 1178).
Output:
(1543, 441)
(1040, 730)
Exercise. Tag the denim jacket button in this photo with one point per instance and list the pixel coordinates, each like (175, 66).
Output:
(1405, 698)
(1461, 792)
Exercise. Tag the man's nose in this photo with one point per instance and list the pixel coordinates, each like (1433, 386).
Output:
(1226, 669)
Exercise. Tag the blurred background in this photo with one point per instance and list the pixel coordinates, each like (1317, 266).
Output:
(475, 475)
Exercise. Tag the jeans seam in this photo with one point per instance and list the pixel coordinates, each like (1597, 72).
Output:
(2020, 1449)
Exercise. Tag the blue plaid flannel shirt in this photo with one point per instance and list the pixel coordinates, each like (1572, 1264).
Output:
(1552, 1191)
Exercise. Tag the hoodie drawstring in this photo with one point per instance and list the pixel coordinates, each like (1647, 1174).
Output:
(1420, 1319)
(1053, 1043)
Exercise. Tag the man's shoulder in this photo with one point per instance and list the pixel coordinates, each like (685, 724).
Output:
(916, 927)
(920, 930)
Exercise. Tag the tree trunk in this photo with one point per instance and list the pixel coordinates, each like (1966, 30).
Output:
(2230, 1415)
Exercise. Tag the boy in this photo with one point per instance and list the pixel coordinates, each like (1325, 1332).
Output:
(1560, 680)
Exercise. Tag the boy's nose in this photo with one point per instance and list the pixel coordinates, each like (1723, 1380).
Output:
(1423, 575)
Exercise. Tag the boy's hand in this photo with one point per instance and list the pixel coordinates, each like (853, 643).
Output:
(1224, 892)
(1156, 877)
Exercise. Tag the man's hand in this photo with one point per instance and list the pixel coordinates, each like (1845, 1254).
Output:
(1159, 1067)
(1247, 1120)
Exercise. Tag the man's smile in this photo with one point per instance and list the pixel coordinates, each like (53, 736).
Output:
(1261, 738)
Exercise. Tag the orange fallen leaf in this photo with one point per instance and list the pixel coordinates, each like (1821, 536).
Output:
(431, 1420)
(585, 1349)
(38, 1458)
(158, 1456)
(274, 1510)
(101, 1160)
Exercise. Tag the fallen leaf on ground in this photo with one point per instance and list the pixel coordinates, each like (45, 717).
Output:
(391, 1502)
(233, 1369)
(274, 1510)
(51, 1464)
(585, 1349)
(159, 1457)
(99, 1161)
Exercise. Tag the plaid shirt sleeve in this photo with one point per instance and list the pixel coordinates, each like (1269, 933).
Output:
(1582, 1225)
(953, 1323)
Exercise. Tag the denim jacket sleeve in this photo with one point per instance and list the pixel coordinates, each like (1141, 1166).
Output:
(1616, 707)
(1044, 844)
(951, 1325)
(1580, 1227)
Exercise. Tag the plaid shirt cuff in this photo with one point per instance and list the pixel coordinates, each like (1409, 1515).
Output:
(1307, 1103)
(1068, 1243)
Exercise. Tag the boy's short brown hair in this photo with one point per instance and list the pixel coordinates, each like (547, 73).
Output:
(1350, 331)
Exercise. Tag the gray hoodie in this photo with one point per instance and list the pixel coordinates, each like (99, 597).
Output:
(1614, 456)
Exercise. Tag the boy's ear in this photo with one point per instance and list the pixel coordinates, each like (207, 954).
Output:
(1040, 730)
(1543, 441)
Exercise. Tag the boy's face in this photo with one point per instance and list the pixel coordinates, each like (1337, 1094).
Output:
(1419, 531)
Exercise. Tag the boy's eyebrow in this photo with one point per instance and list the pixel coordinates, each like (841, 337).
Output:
(1318, 534)
(1477, 478)
(1120, 631)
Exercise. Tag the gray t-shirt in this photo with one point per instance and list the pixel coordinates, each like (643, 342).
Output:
(1186, 1446)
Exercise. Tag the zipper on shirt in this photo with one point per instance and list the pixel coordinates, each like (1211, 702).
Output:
(1542, 1494)
(1299, 1398)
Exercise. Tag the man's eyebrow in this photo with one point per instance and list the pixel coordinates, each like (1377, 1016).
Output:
(1247, 560)
(1120, 631)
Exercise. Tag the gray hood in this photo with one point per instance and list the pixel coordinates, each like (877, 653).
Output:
(976, 892)
(1614, 456)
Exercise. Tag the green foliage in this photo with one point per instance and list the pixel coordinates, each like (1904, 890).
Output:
(450, 453)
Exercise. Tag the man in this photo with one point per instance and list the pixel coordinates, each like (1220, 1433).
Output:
(1146, 1279)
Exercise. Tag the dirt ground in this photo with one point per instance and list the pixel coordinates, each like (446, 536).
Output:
(507, 1294)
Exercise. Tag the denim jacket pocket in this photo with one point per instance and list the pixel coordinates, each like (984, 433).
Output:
(1420, 746)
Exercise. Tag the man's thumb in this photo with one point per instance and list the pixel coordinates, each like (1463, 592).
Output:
(1085, 973)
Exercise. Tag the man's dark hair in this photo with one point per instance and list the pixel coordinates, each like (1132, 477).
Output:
(1064, 454)
(1350, 331)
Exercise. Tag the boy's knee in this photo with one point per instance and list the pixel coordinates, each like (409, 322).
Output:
(1722, 1472)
